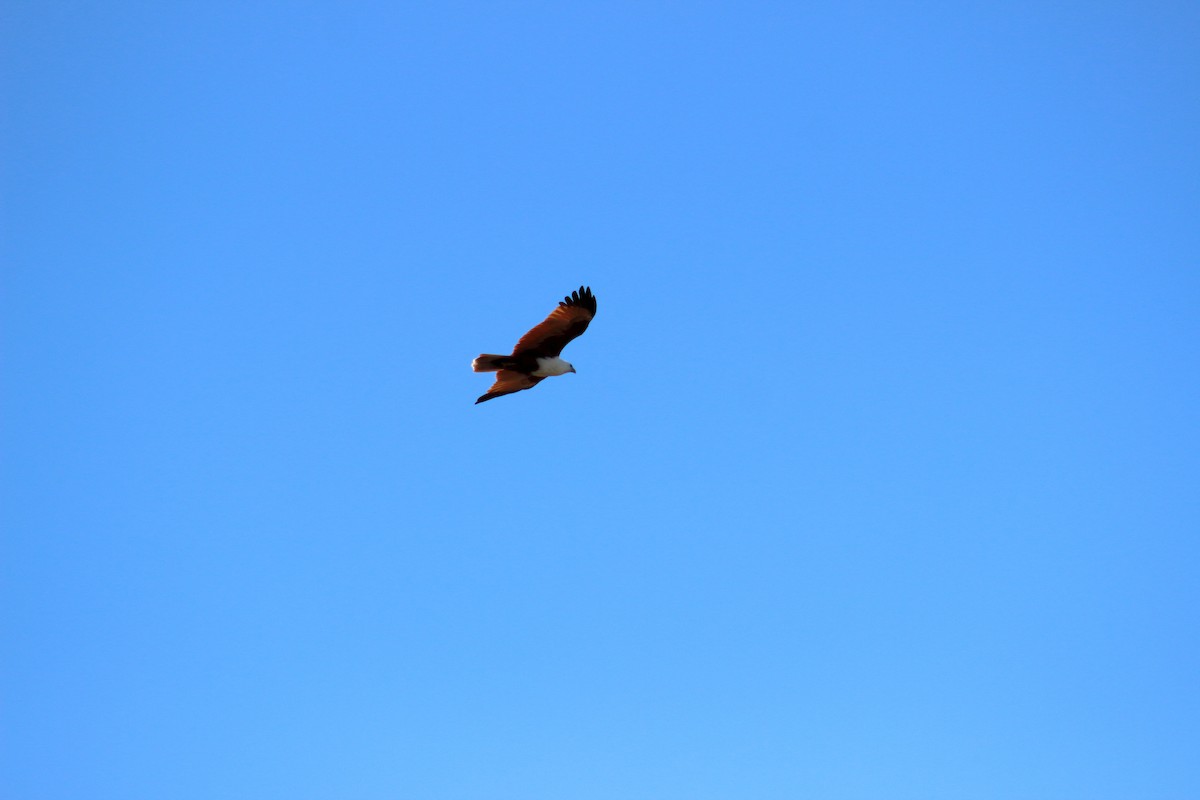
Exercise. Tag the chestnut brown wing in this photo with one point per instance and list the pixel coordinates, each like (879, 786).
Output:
(507, 382)
(551, 335)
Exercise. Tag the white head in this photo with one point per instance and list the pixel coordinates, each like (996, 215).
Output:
(546, 367)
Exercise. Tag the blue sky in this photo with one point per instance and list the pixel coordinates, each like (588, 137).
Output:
(878, 477)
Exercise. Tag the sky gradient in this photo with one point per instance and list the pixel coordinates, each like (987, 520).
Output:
(878, 477)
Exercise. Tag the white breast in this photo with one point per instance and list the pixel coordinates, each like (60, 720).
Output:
(547, 367)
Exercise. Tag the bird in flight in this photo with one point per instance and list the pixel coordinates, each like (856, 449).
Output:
(536, 356)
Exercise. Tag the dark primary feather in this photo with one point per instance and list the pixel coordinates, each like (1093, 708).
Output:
(582, 298)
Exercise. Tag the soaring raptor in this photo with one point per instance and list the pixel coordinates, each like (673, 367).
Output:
(536, 356)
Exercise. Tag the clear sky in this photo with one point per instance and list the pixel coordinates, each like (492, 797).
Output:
(879, 477)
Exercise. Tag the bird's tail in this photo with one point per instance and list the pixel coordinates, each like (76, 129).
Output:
(490, 363)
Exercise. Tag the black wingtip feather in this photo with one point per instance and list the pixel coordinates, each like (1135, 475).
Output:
(582, 297)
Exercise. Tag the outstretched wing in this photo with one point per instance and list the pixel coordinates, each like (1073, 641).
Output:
(571, 318)
(507, 382)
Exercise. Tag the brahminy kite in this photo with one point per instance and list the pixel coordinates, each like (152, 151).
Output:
(536, 356)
